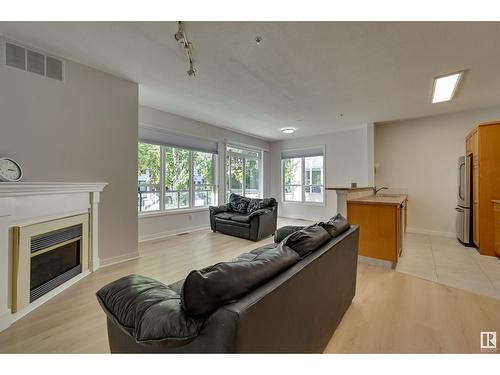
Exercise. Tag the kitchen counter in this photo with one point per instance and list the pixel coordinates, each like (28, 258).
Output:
(382, 221)
(396, 200)
(362, 188)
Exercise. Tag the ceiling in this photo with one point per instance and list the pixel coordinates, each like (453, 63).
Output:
(316, 76)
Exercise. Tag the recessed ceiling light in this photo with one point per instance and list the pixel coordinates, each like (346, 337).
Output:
(288, 130)
(445, 87)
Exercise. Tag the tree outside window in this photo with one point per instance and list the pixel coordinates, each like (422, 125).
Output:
(303, 179)
(188, 178)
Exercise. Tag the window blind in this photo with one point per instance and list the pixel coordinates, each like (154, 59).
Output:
(303, 152)
(167, 138)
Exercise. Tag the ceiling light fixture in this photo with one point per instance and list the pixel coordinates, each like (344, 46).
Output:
(445, 87)
(288, 130)
(182, 38)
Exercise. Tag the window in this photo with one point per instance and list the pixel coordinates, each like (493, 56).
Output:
(303, 178)
(149, 177)
(188, 178)
(243, 172)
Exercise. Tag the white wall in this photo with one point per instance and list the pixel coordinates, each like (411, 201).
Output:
(81, 130)
(421, 155)
(347, 157)
(152, 226)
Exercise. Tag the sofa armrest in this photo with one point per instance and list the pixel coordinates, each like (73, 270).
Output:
(148, 311)
(217, 209)
(261, 211)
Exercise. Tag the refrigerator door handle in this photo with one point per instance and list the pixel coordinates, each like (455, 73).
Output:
(459, 209)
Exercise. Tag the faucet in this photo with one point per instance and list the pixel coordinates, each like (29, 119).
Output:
(375, 190)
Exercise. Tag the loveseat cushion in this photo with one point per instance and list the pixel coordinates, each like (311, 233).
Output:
(231, 222)
(148, 310)
(206, 289)
(238, 203)
(242, 218)
(307, 240)
(257, 204)
(336, 225)
(227, 215)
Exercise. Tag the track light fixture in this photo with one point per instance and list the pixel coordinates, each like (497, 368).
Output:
(182, 38)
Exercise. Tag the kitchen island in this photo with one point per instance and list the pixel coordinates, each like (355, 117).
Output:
(382, 221)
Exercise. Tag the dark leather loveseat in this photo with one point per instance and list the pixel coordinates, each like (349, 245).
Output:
(250, 218)
(286, 297)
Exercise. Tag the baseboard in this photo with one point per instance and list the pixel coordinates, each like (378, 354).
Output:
(376, 262)
(119, 259)
(431, 232)
(300, 219)
(159, 236)
(5, 320)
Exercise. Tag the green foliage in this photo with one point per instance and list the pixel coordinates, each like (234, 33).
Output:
(176, 169)
(176, 166)
(149, 160)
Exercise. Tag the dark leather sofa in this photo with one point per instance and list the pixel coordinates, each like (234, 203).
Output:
(253, 219)
(296, 311)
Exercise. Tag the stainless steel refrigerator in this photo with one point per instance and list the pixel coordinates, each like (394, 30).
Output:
(464, 194)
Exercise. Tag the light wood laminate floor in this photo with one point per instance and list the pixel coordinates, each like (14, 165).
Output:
(391, 313)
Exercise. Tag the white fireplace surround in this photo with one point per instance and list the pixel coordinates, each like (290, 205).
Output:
(26, 203)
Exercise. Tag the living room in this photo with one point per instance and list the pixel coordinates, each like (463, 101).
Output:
(260, 185)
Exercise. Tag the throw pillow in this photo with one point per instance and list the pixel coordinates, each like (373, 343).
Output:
(307, 240)
(238, 203)
(336, 225)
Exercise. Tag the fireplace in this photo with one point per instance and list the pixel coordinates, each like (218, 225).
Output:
(55, 258)
(47, 255)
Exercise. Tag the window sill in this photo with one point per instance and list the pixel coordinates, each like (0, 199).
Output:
(144, 215)
(314, 204)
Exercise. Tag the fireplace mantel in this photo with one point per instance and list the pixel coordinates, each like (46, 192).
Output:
(15, 189)
(26, 203)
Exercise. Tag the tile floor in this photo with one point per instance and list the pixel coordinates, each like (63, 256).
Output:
(446, 261)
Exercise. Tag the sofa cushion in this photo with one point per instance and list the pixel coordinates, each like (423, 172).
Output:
(238, 203)
(232, 222)
(227, 215)
(148, 310)
(307, 240)
(206, 289)
(336, 225)
(257, 204)
(242, 218)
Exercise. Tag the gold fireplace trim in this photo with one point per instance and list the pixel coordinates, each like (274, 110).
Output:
(21, 253)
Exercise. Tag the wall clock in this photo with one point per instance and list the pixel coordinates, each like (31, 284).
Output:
(10, 170)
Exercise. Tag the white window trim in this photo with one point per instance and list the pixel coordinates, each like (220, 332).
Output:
(171, 212)
(303, 202)
(192, 208)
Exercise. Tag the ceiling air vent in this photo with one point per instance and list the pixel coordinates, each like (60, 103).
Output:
(36, 62)
(15, 56)
(32, 61)
(54, 68)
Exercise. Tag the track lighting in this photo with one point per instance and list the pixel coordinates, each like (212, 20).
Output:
(182, 38)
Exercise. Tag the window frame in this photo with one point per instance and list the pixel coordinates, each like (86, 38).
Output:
(191, 190)
(303, 184)
(243, 156)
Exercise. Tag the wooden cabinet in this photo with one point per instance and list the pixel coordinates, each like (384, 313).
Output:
(484, 144)
(382, 225)
(496, 216)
